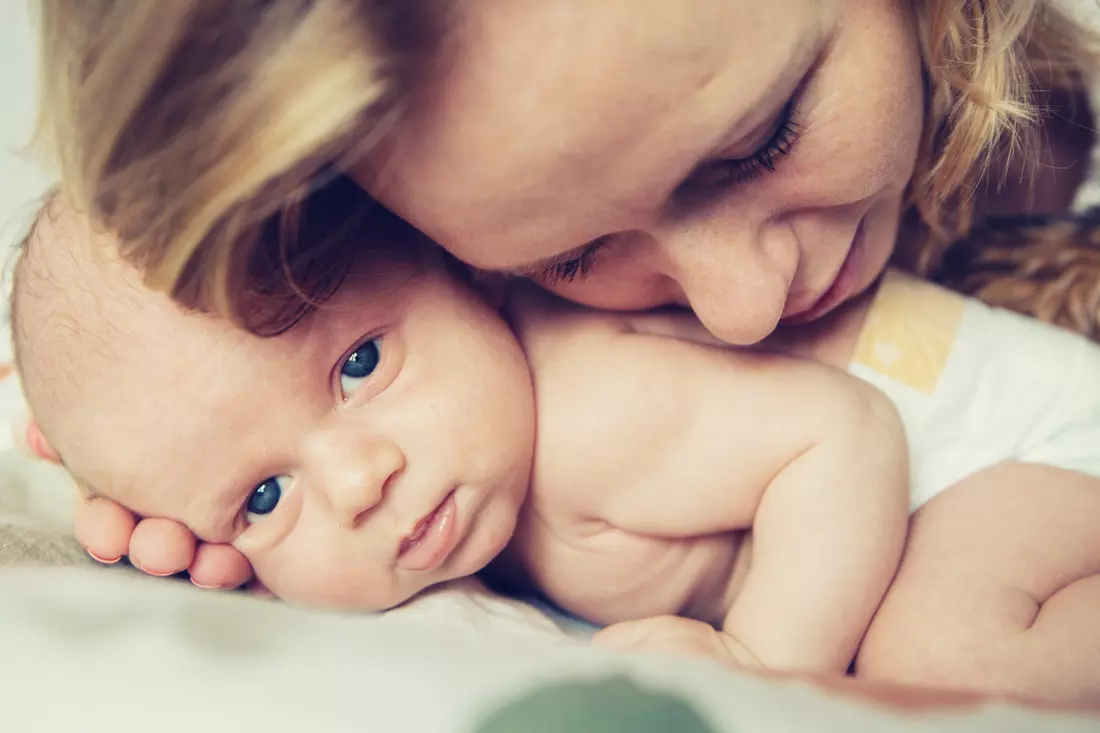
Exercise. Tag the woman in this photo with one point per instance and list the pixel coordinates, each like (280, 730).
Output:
(756, 162)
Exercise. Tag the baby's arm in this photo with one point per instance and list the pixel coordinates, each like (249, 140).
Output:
(695, 441)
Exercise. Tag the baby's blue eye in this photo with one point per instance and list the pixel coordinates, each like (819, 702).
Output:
(360, 365)
(265, 497)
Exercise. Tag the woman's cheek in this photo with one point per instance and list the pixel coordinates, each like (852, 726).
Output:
(861, 118)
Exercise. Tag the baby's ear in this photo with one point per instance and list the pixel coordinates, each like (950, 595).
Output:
(33, 442)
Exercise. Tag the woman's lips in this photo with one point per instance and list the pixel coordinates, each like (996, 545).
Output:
(432, 539)
(842, 288)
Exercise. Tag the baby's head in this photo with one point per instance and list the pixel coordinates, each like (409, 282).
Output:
(380, 446)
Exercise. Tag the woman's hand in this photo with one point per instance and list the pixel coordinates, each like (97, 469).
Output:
(109, 531)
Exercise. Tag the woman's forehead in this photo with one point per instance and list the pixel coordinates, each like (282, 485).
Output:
(583, 107)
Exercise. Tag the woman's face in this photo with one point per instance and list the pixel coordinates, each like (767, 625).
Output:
(744, 158)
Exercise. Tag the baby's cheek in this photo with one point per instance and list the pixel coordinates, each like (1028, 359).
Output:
(291, 579)
(327, 575)
(285, 573)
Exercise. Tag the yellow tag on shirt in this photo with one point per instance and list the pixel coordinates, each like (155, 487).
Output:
(909, 331)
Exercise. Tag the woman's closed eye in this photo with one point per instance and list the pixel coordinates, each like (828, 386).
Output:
(359, 366)
(265, 498)
(708, 179)
(718, 175)
(573, 267)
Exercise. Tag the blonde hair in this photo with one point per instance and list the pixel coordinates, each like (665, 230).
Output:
(183, 125)
(984, 62)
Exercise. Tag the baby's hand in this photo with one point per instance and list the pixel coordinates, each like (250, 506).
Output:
(107, 530)
(676, 635)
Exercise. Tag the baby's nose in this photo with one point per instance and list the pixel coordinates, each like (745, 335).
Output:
(355, 481)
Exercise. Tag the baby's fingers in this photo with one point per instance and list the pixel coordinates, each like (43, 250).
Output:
(666, 635)
(644, 631)
(103, 528)
(219, 566)
(161, 547)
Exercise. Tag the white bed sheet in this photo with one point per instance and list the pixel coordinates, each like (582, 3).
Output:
(99, 651)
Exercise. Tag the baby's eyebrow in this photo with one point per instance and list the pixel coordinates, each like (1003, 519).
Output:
(222, 532)
(219, 532)
(222, 536)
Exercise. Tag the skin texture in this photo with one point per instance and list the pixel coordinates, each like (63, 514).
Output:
(559, 124)
(999, 587)
(668, 480)
(635, 517)
(447, 411)
(556, 124)
(643, 103)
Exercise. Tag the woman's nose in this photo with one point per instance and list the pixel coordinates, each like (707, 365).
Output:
(737, 290)
(354, 476)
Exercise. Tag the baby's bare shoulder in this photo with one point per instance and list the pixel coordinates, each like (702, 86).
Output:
(548, 326)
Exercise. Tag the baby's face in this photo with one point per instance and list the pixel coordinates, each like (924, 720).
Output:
(381, 446)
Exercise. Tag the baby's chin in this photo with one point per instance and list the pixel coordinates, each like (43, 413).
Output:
(343, 598)
(471, 557)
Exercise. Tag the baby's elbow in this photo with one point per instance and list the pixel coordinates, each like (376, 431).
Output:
(886, 449)
(870, 423)
(867, 410)
(881, 408)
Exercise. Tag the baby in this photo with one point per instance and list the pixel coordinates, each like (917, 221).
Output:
(389, 442)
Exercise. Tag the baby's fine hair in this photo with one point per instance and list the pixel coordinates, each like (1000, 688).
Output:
(23, 277)
(185, 124)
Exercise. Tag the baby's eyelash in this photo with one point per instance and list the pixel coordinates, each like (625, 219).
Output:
(575, 267)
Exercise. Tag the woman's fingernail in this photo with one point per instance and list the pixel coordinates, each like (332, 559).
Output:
(103, 560)
(197, 584)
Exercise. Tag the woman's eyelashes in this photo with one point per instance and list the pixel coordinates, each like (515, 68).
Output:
(359, 366)
(718, 175)
(265, 498)
(576, 266)
(706, 180)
